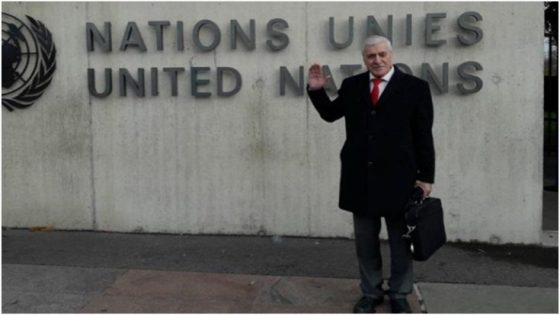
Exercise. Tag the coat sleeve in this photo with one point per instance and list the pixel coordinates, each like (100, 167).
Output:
(423, 138)
(328, 110)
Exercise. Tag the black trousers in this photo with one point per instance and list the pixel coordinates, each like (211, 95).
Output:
(366, 232)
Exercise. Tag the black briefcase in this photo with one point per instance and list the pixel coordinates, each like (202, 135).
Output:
(426, 230)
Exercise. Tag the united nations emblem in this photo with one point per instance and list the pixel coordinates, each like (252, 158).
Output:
(28, 61)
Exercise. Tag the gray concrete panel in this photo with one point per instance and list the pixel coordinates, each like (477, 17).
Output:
(46, 149)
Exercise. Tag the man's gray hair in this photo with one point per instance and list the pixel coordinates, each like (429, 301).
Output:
(376, 39)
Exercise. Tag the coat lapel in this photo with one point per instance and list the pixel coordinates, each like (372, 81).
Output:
(391, 88)
(364, 89)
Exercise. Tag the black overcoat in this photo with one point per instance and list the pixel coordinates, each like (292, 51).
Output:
(387, 148)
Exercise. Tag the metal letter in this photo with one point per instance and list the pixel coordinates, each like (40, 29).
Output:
(93, 34)
(431, 28)
(463, 23)
(108, 83)
(236, 77)
(350, 38)
(155, 85)
(180, 39)
(285, 75)
(213, 28)
(350, 70)
(373, 27)
(237, 32)
(409, 29)
(404, 68)
(275, 34)
(429, 75)
(195, 82)
(461, 70)
(132, 37)
(173, 72)
(126, 79)
(158, 28)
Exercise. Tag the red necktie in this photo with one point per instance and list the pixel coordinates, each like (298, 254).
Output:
(375, 91)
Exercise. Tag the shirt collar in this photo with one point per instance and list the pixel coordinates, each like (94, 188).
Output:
(386, 77)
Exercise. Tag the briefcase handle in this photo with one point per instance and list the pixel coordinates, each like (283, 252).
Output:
(417, 197)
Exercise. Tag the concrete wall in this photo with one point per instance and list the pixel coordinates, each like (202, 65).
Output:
(259, 162)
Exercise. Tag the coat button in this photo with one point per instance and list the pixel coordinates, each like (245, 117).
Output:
(373, 112)
(370, 137)
(370, 163)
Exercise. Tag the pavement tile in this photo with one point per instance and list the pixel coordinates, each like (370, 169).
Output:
(470, 298)
(131, 304)
(149, 304)
(299, 309)
(30, 302)
(52, 289)
(188, 292)
(309, 291)
(181, 285)
(72, 280)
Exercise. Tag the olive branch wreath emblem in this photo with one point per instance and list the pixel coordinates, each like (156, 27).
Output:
(43, 76)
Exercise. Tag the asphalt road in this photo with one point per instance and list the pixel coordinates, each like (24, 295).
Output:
(463, 263)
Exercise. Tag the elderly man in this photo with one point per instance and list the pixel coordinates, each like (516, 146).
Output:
(388, 151)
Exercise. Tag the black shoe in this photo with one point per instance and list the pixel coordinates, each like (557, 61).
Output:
(400, 306)
(367, 304)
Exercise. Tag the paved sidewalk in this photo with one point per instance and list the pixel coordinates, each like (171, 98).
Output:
(92, 272)
(88, 290)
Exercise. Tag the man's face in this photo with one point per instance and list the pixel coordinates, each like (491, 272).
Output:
(378, 59)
